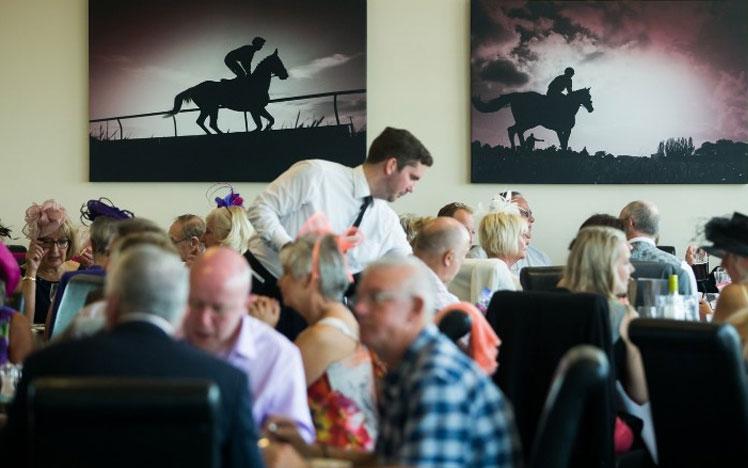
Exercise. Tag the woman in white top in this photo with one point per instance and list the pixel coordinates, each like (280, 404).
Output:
(504, 237)
(339, 369)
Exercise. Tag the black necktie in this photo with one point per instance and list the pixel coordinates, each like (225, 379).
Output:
(367, 201)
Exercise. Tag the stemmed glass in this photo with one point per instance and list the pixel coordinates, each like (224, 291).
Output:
(721, 278)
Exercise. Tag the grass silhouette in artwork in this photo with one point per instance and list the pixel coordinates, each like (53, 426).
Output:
(530, 109)
(245, 94)
(675, 160)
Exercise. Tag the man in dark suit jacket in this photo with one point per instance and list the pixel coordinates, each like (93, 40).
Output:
(146, 297)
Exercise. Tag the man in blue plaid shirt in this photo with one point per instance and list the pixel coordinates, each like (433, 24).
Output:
(437, 407)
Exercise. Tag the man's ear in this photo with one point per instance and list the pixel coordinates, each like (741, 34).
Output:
(390, 166)
(195, 244)
(416, 313)
(448, 257)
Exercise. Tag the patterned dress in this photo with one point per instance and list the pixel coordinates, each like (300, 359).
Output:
(6, 314)
(343, 401)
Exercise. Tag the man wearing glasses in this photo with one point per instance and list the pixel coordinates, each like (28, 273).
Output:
(186, 233)
(534, 256)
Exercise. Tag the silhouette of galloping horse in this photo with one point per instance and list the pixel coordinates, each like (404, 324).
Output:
(249, 94)
(532, 109)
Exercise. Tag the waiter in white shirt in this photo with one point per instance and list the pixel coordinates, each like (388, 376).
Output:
(348, 197)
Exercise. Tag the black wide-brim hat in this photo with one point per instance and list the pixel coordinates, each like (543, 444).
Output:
(728, 235)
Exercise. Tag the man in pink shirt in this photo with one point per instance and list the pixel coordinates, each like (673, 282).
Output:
(217, 321)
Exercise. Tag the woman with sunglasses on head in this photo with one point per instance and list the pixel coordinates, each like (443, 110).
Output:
(54, 240)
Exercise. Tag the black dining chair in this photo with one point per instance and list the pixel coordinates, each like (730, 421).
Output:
(537, 328)
(455, 324)
(540, 278)
(580, 380)
(122, 422)
(698, 391)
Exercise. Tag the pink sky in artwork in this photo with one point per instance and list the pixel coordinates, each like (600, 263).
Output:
(656, 70)
(141, 54)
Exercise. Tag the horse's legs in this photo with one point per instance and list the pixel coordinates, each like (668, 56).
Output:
(269, 118)
(201, 120)
(256, 117)
(214, 120)
(521, 134)
(512, 130)
(563, 138)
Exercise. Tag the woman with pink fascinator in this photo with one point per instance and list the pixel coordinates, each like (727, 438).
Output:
(53, 241)
(339, 369)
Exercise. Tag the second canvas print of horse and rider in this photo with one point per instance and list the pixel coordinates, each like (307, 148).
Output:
(609, 92)
(224, 90)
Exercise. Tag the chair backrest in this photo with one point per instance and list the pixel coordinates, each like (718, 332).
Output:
(667, 248)
(698, 392)
(478, 274)
(540, 278)
(73, 299)
(87, 422)
(537, 329)
(455, 324)
(654, 270)
(580, 378)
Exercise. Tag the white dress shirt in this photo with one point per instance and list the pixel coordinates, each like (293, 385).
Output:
(338, 191)
(683, 264)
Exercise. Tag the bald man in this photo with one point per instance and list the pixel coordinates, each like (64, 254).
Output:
(442, 245)
(218, 322)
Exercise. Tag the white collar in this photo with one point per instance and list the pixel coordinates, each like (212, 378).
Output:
(647, 240)
(160, 322)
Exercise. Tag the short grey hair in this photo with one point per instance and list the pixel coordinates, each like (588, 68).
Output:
(147, 279)
(191, 226)
(417, 284)
(645, 216)
(296, 259)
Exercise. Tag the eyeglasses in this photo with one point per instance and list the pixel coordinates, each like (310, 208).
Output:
(525, 213)
(378, 297)
(47, 243)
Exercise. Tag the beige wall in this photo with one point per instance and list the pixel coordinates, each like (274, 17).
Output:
(418, 78)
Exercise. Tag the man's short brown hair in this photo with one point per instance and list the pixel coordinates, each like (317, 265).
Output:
(450, 209)
(399, 144)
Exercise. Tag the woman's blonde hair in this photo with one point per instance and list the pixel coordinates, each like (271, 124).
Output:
(591, 263)
(500, 234)
(231, 226)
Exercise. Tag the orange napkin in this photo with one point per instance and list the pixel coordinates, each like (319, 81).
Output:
(484, 344)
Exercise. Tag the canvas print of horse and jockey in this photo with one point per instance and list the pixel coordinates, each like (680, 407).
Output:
(609, 92)
(224, 90)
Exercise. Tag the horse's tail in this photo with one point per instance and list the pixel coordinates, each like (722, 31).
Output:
(493, 105)
(184, 96)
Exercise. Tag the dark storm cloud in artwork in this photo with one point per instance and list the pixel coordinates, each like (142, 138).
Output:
(657, 69)
(503, 71)
(143, 53)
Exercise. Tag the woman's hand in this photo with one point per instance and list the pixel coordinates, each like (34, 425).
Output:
(266, 309)
(34, 258)
(85, 257)
(280, 429)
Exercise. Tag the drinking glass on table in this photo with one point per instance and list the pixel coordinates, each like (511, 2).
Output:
(721, 278)
(700, 265)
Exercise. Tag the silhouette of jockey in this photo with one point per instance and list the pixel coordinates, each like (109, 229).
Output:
(530, 142)
(239, 60)
(561, 83)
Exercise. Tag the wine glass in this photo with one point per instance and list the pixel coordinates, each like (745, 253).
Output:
(721, 278)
